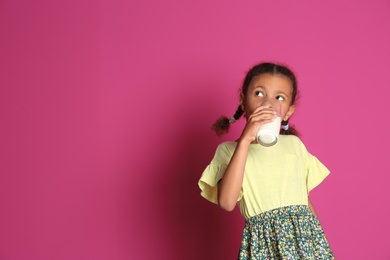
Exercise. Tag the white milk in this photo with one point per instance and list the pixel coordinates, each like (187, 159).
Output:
(268, 134)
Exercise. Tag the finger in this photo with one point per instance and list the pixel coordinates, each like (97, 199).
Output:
(264, 109)
(259, 120)
(263, 114)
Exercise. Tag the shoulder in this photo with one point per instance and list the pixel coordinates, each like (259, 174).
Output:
(293, 144)
(224, 152)
(228, 146)
(291, 139)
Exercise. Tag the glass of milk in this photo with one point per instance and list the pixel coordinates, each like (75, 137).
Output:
(268, 134)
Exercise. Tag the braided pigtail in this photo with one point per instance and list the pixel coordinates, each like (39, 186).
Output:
(221, 126)
(288, 129)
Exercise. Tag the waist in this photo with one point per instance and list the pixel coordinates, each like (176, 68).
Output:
(280, 213)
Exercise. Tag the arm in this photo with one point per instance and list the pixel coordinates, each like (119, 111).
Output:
(230, 185)
(312, 208)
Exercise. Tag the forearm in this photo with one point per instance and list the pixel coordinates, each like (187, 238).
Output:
(312, 208)
(230, 186)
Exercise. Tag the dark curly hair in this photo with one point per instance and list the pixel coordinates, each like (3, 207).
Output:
(221, 126)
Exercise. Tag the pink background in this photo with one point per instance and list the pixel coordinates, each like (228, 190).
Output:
(106, 109)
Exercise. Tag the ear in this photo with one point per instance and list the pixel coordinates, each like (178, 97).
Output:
(290, 111)
(242, 102)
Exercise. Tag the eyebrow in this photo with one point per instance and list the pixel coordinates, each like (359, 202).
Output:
(281, 92)
(262, 87)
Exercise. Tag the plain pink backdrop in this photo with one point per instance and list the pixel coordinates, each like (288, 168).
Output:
(106, 109)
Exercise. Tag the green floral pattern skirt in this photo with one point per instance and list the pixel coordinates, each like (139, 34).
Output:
(290, 232)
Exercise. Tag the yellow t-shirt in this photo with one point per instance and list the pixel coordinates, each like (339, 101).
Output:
(276, 176)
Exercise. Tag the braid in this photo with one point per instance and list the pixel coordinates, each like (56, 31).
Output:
(221, 126)
(290, 129)
(238, 113)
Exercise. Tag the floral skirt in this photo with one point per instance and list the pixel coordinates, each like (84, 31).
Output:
(290, 232)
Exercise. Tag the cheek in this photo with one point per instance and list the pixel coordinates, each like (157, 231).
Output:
(257, 104)
(284, 111)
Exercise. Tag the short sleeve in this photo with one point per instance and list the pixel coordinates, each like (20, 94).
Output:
(213, 173)
(316, 172)
(208, 183)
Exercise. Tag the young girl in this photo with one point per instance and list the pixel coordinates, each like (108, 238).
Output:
(270, 184)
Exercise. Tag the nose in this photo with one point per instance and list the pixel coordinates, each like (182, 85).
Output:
(274, 104)
(267, 103)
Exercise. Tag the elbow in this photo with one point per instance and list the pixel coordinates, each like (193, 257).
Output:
(228, 209)
(227, 205)
(226, 200)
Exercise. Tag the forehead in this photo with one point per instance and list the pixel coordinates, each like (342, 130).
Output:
(272, 82)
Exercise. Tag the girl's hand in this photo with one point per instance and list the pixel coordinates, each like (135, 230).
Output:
(260, 116)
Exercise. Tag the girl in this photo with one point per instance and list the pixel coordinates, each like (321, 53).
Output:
(270, 184)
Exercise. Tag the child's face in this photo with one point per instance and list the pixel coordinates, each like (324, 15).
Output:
(269, 90)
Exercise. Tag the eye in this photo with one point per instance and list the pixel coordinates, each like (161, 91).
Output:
(259, 94)
(280, 98)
